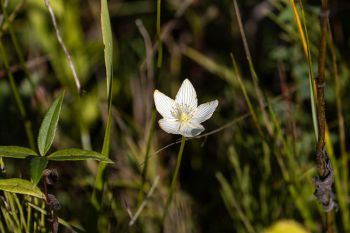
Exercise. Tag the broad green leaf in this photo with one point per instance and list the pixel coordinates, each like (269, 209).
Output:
(16, 152)
(49, 125)
(37, 166)
(76, 155)
(108, 43)
(16, 185)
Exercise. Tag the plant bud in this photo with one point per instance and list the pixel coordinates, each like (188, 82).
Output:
(53, 202)
(50, 176)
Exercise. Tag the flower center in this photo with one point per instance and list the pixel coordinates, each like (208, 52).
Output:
(184, 117)
(182, 112)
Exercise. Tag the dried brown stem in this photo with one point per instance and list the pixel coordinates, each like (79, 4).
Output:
(50, 212)
(60, 40)
(321, 116)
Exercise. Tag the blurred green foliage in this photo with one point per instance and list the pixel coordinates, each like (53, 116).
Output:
(244, 177)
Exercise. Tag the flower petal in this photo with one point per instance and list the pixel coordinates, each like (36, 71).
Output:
(169, 125)
(187, 95)
(204, 111)
(191, 129)
(164, 104)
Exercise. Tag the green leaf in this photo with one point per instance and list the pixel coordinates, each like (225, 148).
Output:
(108, 52)
(16, 185)
(37, 166)
(108, 43)
(76, 155)
(49, 125)
(16, 152)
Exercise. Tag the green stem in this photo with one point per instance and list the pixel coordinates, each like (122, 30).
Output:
(173, 182)
(148, 148)
(160, 49)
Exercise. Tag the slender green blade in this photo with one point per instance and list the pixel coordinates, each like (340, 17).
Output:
(108, 43)
(49, 125)
(108, 52)
(16, 152)
(77, 155)
(37, 166)
(20, 186)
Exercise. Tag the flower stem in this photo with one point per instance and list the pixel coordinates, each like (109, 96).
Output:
(50, 213)
(173, 182)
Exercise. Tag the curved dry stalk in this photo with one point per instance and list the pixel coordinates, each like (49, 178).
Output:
(60, 40)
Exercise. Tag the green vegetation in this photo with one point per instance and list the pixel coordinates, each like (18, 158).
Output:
(81, 149)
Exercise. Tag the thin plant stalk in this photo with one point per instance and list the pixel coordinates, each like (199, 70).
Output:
(160, 47)
(312, 86)
(50, 212)
(4, 25)
(148, 148)
(143, 204)
(321, 116)
(17, 46)
(173, 182)
(246, 96)
(29, 217)
(61, 42)
(341, 124)
(260, 95)
(341, 186)
(108, 54)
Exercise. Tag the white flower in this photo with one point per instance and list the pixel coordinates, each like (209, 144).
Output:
(183, 115)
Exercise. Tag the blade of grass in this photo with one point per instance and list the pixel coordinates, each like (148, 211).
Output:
(312, 83)
(17, 46)
(259, 94)
(108, 54)
(8, 220)
(14, 216)
(144, 202)
(210, 65)
(273, 124)
(148, 148)
(19, 207)
(246, 96)
(300, 28)
(29, 218)
(4, 25)
(341, 186)
(230, 201)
